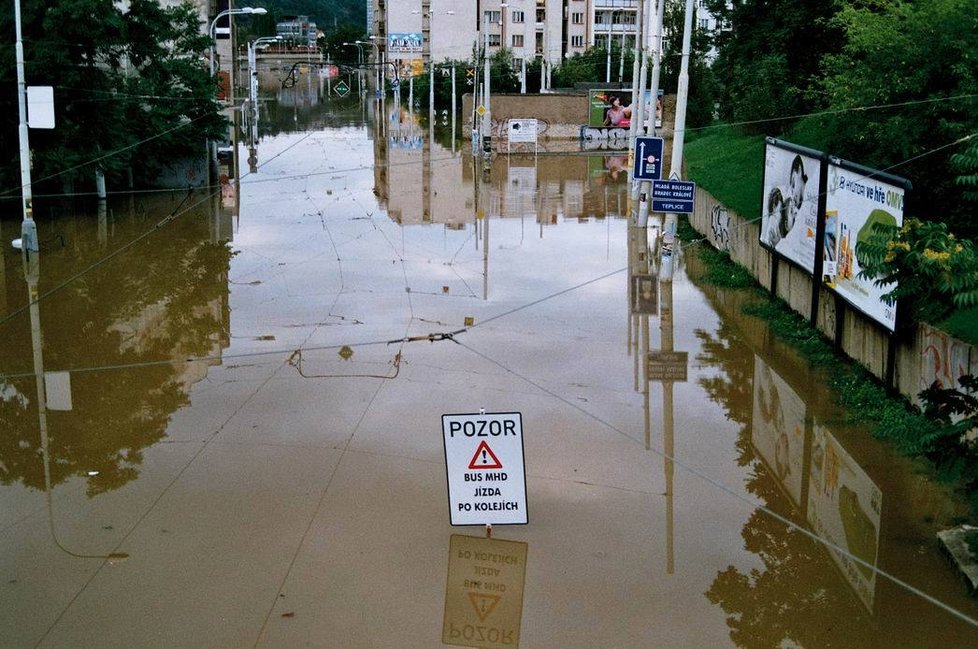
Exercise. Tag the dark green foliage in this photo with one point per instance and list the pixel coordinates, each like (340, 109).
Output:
(131, 88)
(591, 66)
(768, 59)
(935, 433)
(703, 87)
(956, 414)
(912, 64)
(930, 270)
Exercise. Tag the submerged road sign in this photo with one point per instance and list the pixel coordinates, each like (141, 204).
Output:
(484, 463)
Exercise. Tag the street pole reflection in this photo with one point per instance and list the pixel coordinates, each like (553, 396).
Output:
(32, 275)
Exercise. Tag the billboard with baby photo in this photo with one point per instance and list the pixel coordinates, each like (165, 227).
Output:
(789, 208)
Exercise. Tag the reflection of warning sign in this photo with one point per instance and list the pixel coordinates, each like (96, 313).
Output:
(483, 604)
(484, 458)
(484, 465)
(484, 592)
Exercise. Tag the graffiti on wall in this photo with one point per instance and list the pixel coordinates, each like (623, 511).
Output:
(720, 222)
(595, 138)
(942, 359)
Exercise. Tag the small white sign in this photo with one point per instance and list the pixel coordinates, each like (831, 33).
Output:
(40, 106)
(486, 473)
(522, 130)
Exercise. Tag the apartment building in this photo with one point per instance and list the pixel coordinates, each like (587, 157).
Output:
(532, 29)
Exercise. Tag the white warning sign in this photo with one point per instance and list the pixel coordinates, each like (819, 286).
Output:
(484, 463)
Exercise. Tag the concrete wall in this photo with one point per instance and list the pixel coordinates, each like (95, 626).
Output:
(559, 116)
(927, 355)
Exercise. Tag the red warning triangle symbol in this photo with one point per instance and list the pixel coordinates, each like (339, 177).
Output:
(483, 604)
(484, 458)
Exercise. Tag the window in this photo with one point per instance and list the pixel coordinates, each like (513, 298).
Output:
(494, 40)
(518, 16)
(704, 23)
(577, 41)
(541, 15)
(517, 40)
(577, 18)
(494, 16)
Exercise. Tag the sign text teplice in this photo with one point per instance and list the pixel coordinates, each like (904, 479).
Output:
(484, 463)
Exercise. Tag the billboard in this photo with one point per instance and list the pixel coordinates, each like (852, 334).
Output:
(856, 199)
(404, 45)
(778, 431)
(603, 112)
(789, 208)
(844, 507)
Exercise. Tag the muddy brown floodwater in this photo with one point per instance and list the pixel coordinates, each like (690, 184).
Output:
(237, 441)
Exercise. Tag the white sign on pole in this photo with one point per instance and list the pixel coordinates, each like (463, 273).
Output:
(522, 130)
(486, 473)
(40, 106)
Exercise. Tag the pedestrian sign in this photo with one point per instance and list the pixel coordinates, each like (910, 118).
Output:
(485, 468)
(341, 89)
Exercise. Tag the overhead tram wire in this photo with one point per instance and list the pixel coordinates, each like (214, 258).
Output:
(453, 333)
(756, 504)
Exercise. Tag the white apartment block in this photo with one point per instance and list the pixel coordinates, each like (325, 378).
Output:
(547, 29)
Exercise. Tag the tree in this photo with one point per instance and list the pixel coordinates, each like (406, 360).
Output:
(129, 86)
(768, 56)
(702, 83)
(903, 85)
(349, 55)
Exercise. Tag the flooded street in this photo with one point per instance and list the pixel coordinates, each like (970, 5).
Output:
(239, 442)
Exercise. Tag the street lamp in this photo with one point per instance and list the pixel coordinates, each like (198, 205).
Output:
(28, 230)
(258, 11)
(356, 44)
(253, 80)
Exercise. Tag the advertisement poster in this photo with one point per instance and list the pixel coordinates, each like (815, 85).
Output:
(778, 433)
(830, 248)
(789, 216)
(861, 198)
(614, 108)
(844, 508)
(404, 46)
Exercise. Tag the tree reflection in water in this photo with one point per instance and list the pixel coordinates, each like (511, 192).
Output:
(166, 298)
(799, 596)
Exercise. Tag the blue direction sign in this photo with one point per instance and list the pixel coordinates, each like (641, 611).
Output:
(674, 196)
(648, 158)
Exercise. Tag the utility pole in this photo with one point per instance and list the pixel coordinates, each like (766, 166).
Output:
(28, 229)
(678, 137)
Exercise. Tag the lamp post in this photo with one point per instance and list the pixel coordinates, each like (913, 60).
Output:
(378, 64)
(253, 80)
(258, 11)
(607, 68)
(502, 24)
(357, 44)
(28, 229)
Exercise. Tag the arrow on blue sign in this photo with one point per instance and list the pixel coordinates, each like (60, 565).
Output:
(648, 159)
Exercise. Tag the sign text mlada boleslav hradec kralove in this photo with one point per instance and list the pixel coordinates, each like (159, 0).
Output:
(486, 473)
